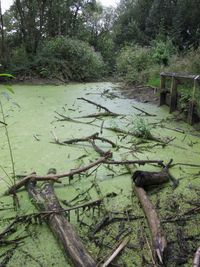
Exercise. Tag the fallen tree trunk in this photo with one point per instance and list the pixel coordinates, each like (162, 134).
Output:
(159, 243)
(46, 200)
(145, 178)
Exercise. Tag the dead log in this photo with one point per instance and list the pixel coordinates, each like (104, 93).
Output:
(96, 115)
(127, 162)
(196, 261)
(101, 152)
(159, 243)
(100, 114)
(145, 178)
(46, 200)
(94, 136)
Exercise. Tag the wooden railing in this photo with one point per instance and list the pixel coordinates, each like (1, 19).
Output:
(176, 79)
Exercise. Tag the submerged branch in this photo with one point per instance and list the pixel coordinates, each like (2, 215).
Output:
(54, 178)
(143, 111)
(95, 104)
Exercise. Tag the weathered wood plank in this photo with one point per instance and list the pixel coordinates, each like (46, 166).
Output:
(179, 75)
(163, 92)
(173, 95)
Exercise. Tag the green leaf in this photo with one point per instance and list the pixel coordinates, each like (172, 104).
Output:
(6, 75)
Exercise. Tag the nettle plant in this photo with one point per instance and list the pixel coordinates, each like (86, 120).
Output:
(142, 129)
(5, 126)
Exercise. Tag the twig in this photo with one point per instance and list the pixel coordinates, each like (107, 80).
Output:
(2, 122)
(143, 111)
(139, 162)
(100, 114)
(121, 245)
(94, 136)
(185, 164)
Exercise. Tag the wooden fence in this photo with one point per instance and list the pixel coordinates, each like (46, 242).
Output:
(176, 79)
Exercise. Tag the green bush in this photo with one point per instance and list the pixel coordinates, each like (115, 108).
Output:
(162, 51)
(20, 63)
(141, 129)
(188, 63)
(70, 58)
(131, 63)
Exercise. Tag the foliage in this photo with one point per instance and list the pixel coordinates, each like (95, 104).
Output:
(142, 129)
(162, 51)
(132, 61)
(187, 63)
(73, 58)
(184, 102)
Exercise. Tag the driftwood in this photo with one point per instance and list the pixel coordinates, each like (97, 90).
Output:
(71, 173)
(95, 104)
(101, 114)
(53, 177)
(145, 178)
(159, 243)
(139, 162)
(2, 122)
(94, 136)
(196, 261)
(99, 150)
(46, 200)
(115, 251)
(66, 118)
(132, 133)
(143, 111)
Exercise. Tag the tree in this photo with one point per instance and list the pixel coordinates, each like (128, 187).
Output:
(3, 47)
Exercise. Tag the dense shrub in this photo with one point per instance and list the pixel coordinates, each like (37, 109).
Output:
(186, 63)
(20, 62)
(132, 61)
(73, 59)
(162, 51)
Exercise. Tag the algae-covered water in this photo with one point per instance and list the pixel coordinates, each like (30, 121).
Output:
(31, 115)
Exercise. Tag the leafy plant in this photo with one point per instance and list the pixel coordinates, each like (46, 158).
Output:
(162, 51)
(72, 59)
(142, 129)
(132, 61)
(184, 102)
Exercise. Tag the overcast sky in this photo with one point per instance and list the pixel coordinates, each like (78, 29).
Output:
(6, 3)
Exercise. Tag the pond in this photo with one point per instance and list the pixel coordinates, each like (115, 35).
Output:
(34, 124)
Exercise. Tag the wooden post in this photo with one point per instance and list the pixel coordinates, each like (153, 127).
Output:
(173, 95)
(192, 102)
(163, 93)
